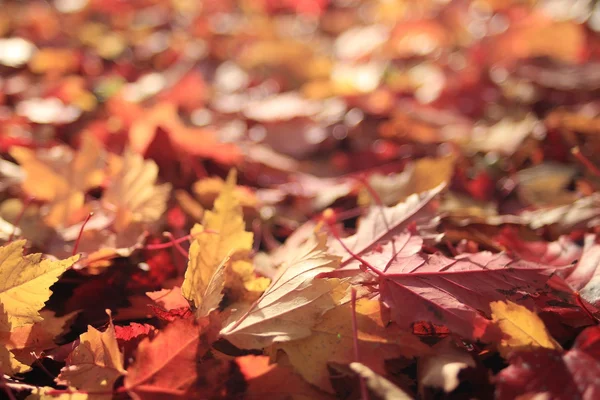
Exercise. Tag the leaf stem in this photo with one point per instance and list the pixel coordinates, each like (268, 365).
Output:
(176, 244)
(90, 215)
(173, 242)
(576, 151)
(364, 262)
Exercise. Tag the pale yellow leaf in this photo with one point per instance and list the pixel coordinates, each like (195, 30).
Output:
(208, 250)
(25, 284)
(293, 303)
(522, 328)
(332, 340)
(133, 193)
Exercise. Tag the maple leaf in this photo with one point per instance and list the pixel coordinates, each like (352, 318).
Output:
(209, 252)
(450, 291)
(523, 328)
(556, 374)
(381, 223)
(167, 364)
(26, 282)
(95, 364)
(294, 301)
(332, 340)
(133, 194)
(62, 181)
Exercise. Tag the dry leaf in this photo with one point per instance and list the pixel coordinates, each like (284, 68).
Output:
(332, 338)
(381, 223)
(26, 282)
(209, 250)
(62, 177)
(294, 301)
(523, 329)
(167, 364)
(133, 195)
(95, 364)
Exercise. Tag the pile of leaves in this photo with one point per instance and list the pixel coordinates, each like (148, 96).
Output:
(299, 199)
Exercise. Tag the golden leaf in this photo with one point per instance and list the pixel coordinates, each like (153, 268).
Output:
(25, 284)
(210, 249)
(95, 364)
(523, 329)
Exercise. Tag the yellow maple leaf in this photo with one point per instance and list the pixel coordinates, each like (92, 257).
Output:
(95, 364)
(209, 250)
(61, 180)
(133, 194)
(332, 341)
(25, 284)
(523, 329)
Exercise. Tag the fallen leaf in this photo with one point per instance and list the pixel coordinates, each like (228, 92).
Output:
(332, 340)
(523, 329)
(166, 365)
(62, 181)
(133, 195)
(95, 364)
(450, 291)
(381, 223)
(26, 282)
(209, 252)
(293, 303)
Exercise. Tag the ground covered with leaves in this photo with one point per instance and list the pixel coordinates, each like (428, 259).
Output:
(299, 199)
